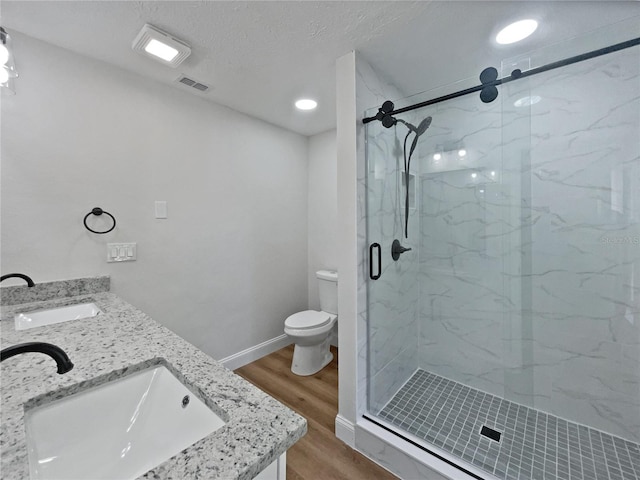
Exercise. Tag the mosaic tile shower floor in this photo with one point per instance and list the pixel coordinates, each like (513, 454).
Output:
(533, 444)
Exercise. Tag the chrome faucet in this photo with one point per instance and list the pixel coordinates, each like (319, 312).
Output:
(61, 358)
(18, 275)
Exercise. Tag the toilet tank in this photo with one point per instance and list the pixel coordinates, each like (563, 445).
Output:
(328, 288)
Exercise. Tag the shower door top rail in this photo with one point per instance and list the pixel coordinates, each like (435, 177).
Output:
(490, 80)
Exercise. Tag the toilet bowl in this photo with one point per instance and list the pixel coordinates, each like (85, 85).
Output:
(310, 330)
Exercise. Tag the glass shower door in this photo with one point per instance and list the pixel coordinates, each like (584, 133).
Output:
(461, 205)
(393, 298)
(508, 335)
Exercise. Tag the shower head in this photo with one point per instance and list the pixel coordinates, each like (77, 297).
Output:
(424, 124)
(420, 129)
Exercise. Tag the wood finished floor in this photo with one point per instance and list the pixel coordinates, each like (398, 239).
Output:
(319, 455)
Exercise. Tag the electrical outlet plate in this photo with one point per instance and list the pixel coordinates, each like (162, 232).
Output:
(121, 252)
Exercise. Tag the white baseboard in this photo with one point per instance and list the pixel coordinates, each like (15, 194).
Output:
(345, 431)
(252, 354)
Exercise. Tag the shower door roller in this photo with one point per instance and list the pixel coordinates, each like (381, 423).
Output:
(371, 247)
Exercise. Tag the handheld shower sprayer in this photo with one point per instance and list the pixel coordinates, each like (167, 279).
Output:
(419, 130)
(385, 116)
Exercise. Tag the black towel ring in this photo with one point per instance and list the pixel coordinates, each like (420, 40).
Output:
(99, 211)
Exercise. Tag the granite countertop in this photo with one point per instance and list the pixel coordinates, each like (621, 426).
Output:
(258, 428)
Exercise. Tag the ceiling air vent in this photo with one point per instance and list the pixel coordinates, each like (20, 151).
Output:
(192, 83)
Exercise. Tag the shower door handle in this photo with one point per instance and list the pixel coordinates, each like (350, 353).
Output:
(371, 247)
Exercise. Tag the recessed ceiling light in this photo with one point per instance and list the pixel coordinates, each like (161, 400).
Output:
(306, 104)
(516, 31)
(437, 156)
(462, 152)
(161, 46)
(527, 101)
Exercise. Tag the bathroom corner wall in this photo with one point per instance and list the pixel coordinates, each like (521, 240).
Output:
(230, 262)
(322, 214)
(322, 209)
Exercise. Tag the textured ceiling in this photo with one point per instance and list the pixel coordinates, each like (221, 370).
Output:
(258, 57)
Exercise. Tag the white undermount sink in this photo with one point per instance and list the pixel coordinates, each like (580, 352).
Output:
(120, 429)
(40, 318)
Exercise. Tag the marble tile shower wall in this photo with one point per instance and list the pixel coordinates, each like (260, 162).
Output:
(530, 245)
(464, 217)
(585, 209)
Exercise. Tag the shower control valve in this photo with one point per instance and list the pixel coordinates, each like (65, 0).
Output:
(397, 250)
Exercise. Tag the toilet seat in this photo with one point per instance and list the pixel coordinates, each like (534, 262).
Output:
(307, 319)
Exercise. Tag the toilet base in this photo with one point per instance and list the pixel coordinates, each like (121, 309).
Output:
(310, 359)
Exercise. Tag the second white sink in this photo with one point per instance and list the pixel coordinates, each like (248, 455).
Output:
(40, 318)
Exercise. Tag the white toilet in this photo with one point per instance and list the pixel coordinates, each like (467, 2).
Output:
(310, 330)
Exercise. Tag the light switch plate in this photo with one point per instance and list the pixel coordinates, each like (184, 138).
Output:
(121, 252)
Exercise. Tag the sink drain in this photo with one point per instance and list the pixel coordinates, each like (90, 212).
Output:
(185, 401)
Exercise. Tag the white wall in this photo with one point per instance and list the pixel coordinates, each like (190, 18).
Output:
(322, 209)
(230, 262)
